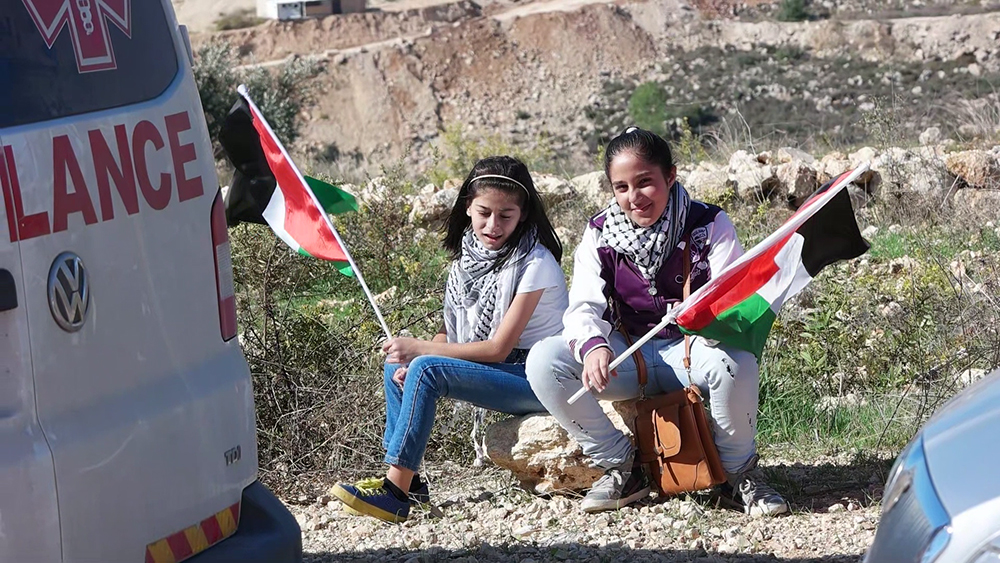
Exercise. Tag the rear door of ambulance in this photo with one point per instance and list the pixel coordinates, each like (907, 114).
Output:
(141, 390)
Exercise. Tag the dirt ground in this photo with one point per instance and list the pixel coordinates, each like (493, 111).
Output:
(481, 515)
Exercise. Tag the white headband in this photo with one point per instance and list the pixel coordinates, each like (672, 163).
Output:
(509, 179)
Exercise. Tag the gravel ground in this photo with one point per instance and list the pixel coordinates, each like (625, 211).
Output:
(481, 515)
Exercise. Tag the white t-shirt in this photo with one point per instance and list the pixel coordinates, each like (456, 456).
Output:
(543, 272)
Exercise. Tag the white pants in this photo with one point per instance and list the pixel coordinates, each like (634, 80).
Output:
(728, 379)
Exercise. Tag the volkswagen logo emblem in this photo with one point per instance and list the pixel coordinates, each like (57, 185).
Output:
(69, 292)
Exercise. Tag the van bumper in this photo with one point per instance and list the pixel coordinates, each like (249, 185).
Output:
(267, 532)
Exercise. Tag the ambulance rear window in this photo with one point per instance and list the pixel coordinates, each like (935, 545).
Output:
(103, 55)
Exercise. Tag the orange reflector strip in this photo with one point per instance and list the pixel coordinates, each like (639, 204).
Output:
(195, 539)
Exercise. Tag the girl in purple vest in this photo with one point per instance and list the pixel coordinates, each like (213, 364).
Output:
(505, 292)
(628, 272)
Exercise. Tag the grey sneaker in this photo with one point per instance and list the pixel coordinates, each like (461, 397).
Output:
(619, 487)
(747, 491)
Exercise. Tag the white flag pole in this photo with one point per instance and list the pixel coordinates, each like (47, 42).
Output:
(784, 230)
(668, 319)
(242, 89)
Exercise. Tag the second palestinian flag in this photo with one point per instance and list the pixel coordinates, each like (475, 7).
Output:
(267, 188)
(739, 305)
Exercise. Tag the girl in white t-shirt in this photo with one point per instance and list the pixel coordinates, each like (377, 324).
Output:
(505, 292)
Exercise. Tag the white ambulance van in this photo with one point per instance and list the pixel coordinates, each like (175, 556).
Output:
(126, 409)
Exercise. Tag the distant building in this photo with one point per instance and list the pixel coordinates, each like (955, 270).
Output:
(289, 10)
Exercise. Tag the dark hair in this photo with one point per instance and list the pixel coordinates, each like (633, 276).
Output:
(647, 145)
(531, 205)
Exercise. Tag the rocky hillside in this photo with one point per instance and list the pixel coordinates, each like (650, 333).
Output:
(561, 72)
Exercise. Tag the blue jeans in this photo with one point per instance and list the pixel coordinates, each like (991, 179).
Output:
(409, 413)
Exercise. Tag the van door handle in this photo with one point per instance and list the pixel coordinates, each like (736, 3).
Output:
(8, 291)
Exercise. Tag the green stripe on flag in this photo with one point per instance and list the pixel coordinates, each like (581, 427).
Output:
(333, 199)
(345, 268)
(342, 267)
(744, 325)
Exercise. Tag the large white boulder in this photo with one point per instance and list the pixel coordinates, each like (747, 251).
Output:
(542, 455)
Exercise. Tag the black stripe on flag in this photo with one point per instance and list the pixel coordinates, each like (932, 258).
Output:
(831, 234)
(253, 182)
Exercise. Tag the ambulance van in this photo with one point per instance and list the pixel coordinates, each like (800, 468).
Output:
(126, 409)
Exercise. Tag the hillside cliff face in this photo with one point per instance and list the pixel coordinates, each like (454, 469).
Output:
(562, 70)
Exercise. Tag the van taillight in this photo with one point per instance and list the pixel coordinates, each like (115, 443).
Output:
(223, 270)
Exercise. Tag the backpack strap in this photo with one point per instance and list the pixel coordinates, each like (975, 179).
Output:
(687, 293)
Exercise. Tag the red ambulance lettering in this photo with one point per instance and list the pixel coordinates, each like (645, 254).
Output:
(22, 227)
(145, 132)
(63, 201)
(106, 168)
(127, 171)
(187, 188)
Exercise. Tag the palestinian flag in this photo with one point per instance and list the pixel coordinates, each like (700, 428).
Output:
(267, 188)
(738, 306)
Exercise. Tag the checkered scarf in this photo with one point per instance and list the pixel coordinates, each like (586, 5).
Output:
(477, 294)
(647, 247)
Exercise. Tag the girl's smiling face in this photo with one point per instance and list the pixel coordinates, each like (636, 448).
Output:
(495, 215)
(640, 187)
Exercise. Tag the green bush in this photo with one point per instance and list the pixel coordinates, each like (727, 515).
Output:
(280, 94)
(648, 107)
(872, 346)
(793, 11)
(245, 17)
(457, 152)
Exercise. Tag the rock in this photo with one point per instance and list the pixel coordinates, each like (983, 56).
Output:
(976, 199)
(832, 165)
(977, 168)
(751, 179)
(387, 296)
(595, 189)
(836, 508)
(870, 231)
(891, 310)
(871, 178)
(542, 455)
(848, 401)
(864, 154)
(902, 170)
(903, 264)
(930, 136)
(553, 189)
(428, 210)
(798, 181)
(708, 181)
(970, 376)
(374, 190)
(788, 154)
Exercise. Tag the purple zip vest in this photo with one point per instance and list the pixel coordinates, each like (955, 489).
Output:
(640, 304)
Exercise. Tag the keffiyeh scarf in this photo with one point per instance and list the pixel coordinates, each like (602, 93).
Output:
(477, 294)
(647, 247)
